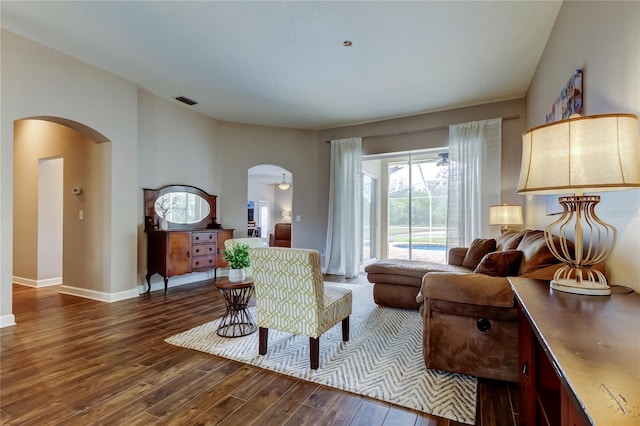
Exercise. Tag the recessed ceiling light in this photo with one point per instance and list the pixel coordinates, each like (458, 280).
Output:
(347, 43)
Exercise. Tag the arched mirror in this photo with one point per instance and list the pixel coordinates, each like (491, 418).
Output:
(184, 206)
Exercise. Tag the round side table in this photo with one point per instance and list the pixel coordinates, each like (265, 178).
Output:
(237, 322)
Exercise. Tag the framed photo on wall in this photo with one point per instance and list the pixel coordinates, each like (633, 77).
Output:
(570, 100)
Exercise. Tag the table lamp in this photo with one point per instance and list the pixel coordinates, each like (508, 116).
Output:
(505, 215)
(581, 155)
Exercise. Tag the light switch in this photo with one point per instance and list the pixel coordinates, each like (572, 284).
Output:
(81, 215)
(298, 218)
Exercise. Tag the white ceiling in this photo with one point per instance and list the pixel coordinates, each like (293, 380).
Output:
(284, 64)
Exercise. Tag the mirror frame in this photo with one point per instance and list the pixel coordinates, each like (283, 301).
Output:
(152, 219)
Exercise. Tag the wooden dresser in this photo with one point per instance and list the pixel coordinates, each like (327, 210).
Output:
(192, 242)
(172, 253)
(579, 356)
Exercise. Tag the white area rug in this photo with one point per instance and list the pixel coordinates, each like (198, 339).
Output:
(382, 359)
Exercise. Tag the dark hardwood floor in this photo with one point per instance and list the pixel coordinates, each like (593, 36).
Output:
(74, 361)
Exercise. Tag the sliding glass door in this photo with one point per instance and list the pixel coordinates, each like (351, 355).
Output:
(417, 206)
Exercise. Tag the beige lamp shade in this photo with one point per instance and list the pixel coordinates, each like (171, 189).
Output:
(505, 215)
(582, 154)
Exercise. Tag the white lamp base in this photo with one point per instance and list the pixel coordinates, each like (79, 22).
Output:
(585, 287)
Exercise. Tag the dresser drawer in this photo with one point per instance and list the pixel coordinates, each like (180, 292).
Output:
(203, 237)
(204, 249)
(203, 262)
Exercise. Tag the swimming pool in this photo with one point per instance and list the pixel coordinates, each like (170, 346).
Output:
(421, 246)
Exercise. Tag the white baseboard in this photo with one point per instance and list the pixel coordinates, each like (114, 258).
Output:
(100, 296)
(36, 283)
(7, 320)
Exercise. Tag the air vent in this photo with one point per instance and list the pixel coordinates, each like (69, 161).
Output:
(186, 100)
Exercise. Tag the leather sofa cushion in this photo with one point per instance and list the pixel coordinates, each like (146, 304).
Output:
(509, 240)
(405, 267)
(536, 254)
(478, 249)
(392, 277)
(456, 255)
(500, 263)
(473, 289)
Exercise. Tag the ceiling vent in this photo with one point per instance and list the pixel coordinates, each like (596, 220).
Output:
(186, 100)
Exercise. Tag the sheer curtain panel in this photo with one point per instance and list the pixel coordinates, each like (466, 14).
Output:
(344, 228)
(474, 179)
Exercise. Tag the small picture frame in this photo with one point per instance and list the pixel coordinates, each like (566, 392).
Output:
(570, 100)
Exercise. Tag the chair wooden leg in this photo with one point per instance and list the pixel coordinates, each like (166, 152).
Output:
(263, 334)
(345, 329)
(314, 352)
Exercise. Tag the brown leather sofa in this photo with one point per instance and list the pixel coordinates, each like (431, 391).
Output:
(469, 312)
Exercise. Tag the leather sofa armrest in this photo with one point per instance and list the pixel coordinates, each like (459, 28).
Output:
(456, 255)
(473, 289)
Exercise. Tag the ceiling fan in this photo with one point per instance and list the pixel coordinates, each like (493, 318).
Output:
(444, 159)
(284, 185)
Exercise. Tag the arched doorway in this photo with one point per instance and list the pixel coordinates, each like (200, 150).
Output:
(70, 249)
(269, 198)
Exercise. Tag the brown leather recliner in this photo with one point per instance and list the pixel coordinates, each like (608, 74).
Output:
(281, 236)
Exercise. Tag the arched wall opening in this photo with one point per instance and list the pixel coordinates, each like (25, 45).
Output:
(85, 161)
(271, 201)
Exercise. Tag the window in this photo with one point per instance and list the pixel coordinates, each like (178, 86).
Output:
(369, 218)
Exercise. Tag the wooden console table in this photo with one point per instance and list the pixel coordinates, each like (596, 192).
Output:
(579, 356)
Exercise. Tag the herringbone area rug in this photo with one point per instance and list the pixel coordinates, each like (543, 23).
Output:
(382, 359)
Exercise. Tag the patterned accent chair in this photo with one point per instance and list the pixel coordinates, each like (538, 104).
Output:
(291, 296)
(252, 242)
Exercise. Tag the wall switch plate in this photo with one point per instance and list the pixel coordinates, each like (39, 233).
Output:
(81, 215)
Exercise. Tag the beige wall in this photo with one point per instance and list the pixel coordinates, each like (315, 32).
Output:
(244, 146)
(603, 39)
(38, 81)
(176, 146)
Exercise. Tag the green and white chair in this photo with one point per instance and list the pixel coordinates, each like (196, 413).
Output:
(291, 296)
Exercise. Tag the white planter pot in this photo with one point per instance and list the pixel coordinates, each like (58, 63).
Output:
(236, 275)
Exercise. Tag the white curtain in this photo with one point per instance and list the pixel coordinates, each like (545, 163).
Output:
(344, 230)
(474, 179)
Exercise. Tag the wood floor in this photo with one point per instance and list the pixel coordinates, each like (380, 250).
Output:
(73, 361)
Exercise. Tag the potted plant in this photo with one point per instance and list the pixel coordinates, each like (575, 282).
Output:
(238, 258)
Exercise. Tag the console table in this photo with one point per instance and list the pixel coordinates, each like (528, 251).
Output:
(579, 356)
